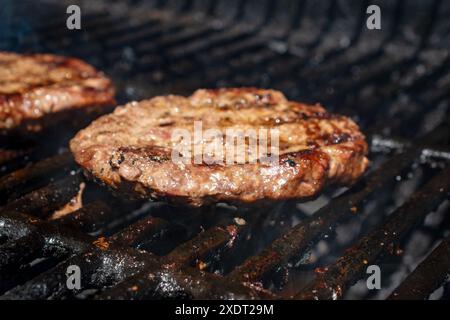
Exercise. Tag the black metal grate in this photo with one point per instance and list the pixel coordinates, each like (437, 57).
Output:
(395, 82)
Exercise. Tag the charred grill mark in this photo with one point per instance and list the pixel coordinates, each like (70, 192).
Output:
(290, 162)
(25, 87)
(300, 153)
(224, 107)
(112, 164)
(239, 98)
(121, 159)
(166, 123)
(312, 143)
(73, 74)
(336, 138)
(133, 154)
(213, 165)
(116, 160)
(300, 117)
(329, 139)
(152, 153)
(292, 159)
(156, 158)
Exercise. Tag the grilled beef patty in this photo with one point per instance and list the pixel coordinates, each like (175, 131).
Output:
(130, 150)
(35, 85)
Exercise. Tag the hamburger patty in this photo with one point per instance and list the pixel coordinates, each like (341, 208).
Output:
(131, 149)
(34, 85)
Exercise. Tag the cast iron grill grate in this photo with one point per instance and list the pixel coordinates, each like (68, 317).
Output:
(395, 82)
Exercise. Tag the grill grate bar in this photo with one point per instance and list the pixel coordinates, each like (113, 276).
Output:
(8, 155)
(15, 253)
(184, 36)
(146, 34)
(116, 34)
(335, 62)
(50, 24)
(131, 38)
(299, 238)
(294, 63)
(234, 51)
(98, 258)
(188, 283)
(141, 21)
(46, 199)
(206, 242)
(197, 47)
(380, 69)
(240, 57)
(400, 144)
(427, 276)
(33, 173)
(92, 256)
(52, 283)
(141, 231)
(414, 86)
(91, 217)
(387, 64)
(55, 33)
(331, 281)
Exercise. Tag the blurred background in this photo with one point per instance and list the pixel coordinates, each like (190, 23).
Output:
(314, 51)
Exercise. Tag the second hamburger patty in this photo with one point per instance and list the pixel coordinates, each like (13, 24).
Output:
(131, 148)
(34, 85)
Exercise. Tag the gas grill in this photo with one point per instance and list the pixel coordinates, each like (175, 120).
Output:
(394, 82)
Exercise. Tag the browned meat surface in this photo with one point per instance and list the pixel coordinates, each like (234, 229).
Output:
(130, 150)
(34, 85)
